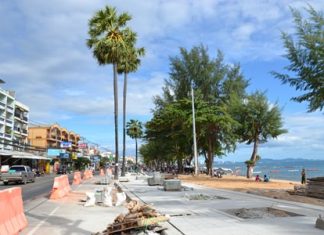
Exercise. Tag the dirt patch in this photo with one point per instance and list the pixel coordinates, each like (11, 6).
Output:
(203, 197)
(277, 189)
(259, 213)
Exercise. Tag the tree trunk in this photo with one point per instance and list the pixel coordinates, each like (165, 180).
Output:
(180, 167)
(210, 157)
(253, 159)
(249, 171)
(116, 119)
(124, 123)
(136, 154)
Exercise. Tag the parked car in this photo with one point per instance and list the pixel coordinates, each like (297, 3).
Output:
(18, 174)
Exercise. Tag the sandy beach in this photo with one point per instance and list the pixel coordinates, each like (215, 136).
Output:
(275, 188)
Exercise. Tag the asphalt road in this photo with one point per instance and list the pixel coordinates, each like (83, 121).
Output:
(41, 187)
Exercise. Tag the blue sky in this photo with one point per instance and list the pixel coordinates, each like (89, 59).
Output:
(44, 58)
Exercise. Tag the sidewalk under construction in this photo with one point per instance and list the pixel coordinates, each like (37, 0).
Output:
(193, 210)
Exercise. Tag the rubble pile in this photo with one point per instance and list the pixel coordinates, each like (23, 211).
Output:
(298, 190)
(139, 217)
(315, 187)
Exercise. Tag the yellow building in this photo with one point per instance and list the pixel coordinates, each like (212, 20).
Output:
(52, 136)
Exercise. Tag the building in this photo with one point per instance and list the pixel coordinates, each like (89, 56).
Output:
(53, 137)
(14, 146)
(13, 121)
(20, 133)
(61, 144)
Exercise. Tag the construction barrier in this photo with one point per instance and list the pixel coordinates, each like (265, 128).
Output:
(12, 217)
(87, 174)
(61, 187)
(77, 178)
(109, 171)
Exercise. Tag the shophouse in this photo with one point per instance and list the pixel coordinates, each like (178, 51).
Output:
(61, 144)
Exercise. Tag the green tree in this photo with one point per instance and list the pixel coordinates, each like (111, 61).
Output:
(305, 51)
(108, 39)
(103, 162)
(259, 122)
(135, 131)
(214, 83)
(128, 64)
(81, 163)
(170, 132)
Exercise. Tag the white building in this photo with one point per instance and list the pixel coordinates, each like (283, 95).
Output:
(13, 121)
(21, 116)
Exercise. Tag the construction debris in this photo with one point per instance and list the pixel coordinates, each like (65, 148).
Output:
(319, 222)
(315, 187)
(139, 216)
(107, 196)
(298, 190)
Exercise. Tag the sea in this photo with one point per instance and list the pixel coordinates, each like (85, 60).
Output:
(285, 169)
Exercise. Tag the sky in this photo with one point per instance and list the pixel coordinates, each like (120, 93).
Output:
(45, 60)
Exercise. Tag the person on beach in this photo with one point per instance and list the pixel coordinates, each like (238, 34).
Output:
(265, 178)
(303, 176)
(257, 178)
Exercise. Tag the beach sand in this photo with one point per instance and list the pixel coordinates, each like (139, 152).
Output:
(275, 188)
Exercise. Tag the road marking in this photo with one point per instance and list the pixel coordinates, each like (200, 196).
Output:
(43, 221)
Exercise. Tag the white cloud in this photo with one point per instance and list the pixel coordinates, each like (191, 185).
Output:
(44, 57)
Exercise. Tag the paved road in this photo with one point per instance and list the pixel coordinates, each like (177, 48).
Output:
(41, 187)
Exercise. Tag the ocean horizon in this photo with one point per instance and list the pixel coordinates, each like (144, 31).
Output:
(283, 169)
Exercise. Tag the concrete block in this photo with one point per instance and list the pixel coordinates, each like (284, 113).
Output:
(172, 185)
(153, 181)
(319, 223)
(123, 179)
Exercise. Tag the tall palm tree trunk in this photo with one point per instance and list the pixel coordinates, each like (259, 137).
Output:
(136, 155)
(116, 118)
(124, 123)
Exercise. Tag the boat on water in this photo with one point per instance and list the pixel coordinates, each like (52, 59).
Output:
(257, 172)
(293, 170)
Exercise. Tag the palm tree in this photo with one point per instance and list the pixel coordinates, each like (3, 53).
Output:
(108, 31)
(130, 64)
(135, 131)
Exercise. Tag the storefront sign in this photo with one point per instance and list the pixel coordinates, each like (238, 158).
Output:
(65, 144)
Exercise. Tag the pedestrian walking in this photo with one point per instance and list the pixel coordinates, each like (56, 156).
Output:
(303, 176)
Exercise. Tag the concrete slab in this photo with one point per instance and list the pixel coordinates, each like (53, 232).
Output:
(211, 216)
(68, 215)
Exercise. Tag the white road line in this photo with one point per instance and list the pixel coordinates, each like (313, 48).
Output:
(43, 221)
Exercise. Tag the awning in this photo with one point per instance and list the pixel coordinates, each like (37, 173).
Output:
(5, 153)
(23, 155)
(30, 157)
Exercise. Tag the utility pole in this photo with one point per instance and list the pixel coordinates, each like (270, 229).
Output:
(194, 129)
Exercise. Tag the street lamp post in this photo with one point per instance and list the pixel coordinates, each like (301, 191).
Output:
(194, 130)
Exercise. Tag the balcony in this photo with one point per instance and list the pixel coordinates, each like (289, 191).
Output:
(10, 109)
(9, 122)
(8, 136)
(2, 119)
(2, 105)
(25, 119)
